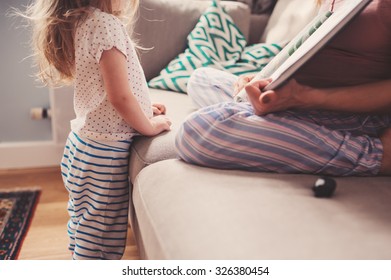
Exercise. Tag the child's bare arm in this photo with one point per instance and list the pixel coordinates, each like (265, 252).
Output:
(114, 71)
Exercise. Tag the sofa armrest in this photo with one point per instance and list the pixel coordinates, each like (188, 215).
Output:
(163, 26)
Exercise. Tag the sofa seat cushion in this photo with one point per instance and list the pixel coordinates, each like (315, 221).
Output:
(147, 150)
(190, 212)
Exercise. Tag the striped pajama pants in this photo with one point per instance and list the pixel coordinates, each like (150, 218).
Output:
(95, 173)
(228, 135)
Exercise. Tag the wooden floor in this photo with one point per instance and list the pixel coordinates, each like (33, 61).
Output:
(47, 238)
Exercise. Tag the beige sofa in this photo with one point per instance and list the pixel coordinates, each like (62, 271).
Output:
(181, 211)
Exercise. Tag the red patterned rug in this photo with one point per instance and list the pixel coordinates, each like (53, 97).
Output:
(17, 208)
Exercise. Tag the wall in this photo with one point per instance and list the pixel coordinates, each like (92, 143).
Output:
(19, 91)
(24, 143)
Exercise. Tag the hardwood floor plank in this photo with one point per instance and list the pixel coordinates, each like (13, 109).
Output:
(47, 236)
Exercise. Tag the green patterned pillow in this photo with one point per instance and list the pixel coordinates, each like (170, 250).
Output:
(215, 41)
(254, 58)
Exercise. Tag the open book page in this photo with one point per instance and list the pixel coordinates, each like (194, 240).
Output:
(307, 43)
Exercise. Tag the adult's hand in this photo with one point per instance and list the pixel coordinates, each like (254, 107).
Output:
(242, 82)
(284, 98)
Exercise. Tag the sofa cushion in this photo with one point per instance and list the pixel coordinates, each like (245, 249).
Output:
(147, 150)
(287, 20)
(257, 27)
(190, 212)
(215, 41)
(163, 26)
(262, 6)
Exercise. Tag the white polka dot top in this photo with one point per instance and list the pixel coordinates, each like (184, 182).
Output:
(96, 118)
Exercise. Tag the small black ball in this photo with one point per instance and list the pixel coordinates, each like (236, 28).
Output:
(324, 187)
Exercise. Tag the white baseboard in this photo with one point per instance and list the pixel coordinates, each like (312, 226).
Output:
(30, 154)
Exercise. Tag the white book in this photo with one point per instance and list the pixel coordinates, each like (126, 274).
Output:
(306, 44)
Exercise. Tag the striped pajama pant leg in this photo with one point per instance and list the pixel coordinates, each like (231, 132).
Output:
(208, 86)
(230, 136)
(95, 173)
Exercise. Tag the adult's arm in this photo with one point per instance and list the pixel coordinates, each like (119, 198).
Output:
(367, 98)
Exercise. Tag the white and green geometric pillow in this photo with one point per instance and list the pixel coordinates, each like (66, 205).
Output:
(254, 58)
(215, 42)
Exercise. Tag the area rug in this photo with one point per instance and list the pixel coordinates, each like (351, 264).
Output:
(17, 207)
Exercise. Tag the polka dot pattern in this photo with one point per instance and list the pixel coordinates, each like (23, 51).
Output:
(96, 118)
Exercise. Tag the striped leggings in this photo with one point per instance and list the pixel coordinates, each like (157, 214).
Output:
(228, 135)
(95, 173)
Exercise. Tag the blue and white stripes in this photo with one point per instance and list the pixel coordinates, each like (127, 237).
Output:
(95, 174)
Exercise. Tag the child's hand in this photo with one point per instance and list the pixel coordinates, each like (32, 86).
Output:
(160, 123)
(158, 109)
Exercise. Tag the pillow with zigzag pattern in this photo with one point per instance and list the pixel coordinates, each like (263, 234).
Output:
(214, 42)
(254, 58)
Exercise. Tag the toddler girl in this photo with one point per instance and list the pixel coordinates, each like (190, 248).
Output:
(86, 41)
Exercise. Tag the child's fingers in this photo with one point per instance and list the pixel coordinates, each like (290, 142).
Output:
(160, 107)
(155, 110)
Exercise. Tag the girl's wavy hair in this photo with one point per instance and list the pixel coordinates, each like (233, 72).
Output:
(53, 31)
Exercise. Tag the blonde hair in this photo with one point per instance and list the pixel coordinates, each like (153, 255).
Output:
(53, 30)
